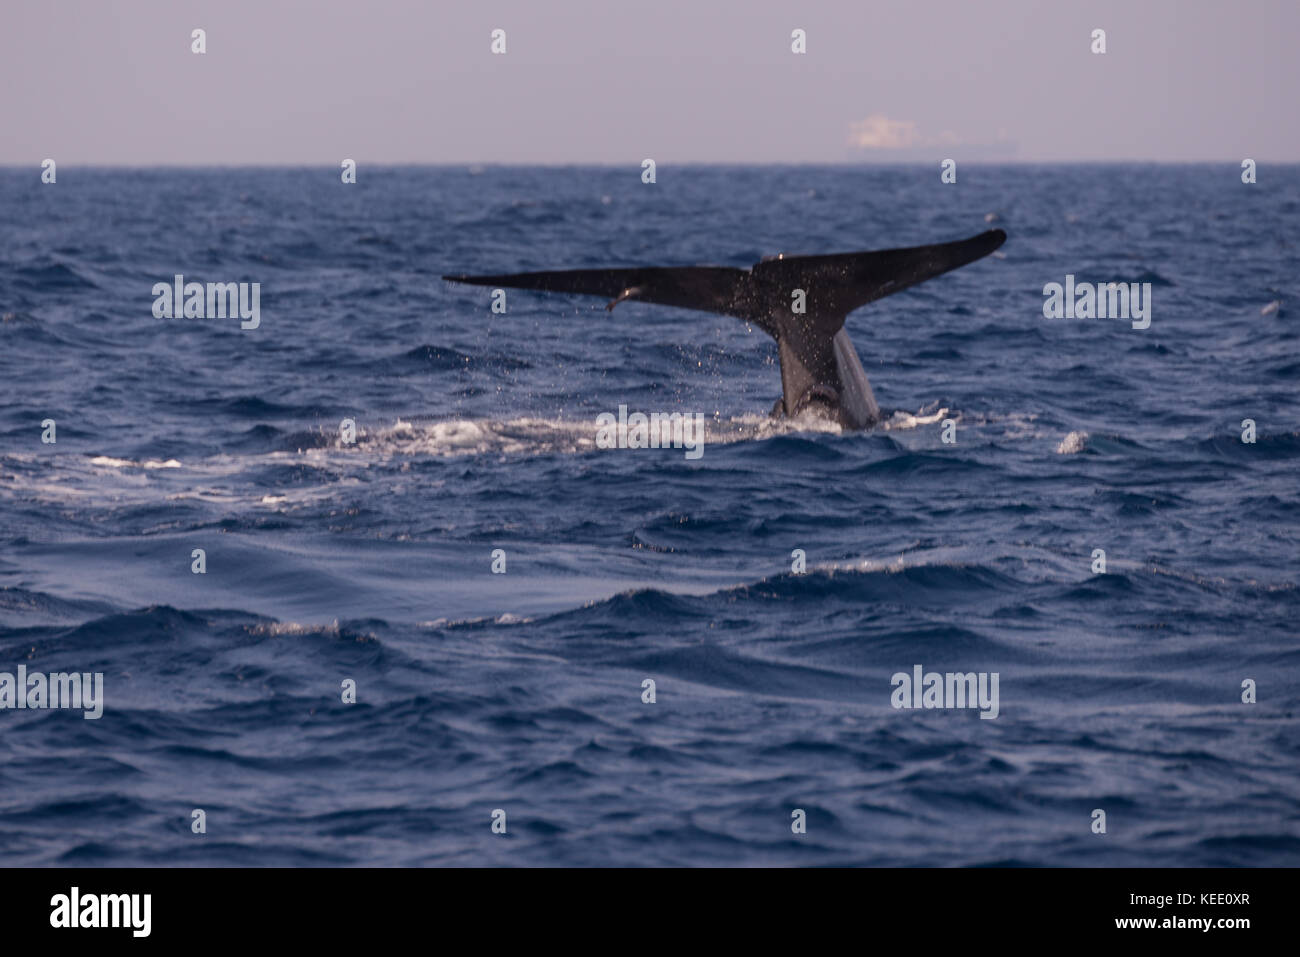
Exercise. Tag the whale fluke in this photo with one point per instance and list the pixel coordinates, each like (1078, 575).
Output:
(819, 366)
(706, 288)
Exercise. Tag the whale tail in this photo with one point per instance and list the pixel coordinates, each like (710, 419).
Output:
(801, 301)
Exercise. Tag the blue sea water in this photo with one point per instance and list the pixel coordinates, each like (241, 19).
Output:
(328, 561)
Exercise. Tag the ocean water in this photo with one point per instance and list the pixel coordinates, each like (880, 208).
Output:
(371, 561)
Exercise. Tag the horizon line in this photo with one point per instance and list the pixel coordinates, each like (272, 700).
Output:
(636, 164)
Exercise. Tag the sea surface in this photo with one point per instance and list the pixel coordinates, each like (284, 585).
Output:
(477, 692)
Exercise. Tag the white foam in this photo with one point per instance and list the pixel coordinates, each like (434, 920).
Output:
(906, 420)
(1073, 443)
(276, 629)
(504, 619)
(221, 479)
(109, 462)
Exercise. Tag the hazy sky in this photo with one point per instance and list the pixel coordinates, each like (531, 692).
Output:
(609, 81)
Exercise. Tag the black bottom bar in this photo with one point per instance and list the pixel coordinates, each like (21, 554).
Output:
(641, 907)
